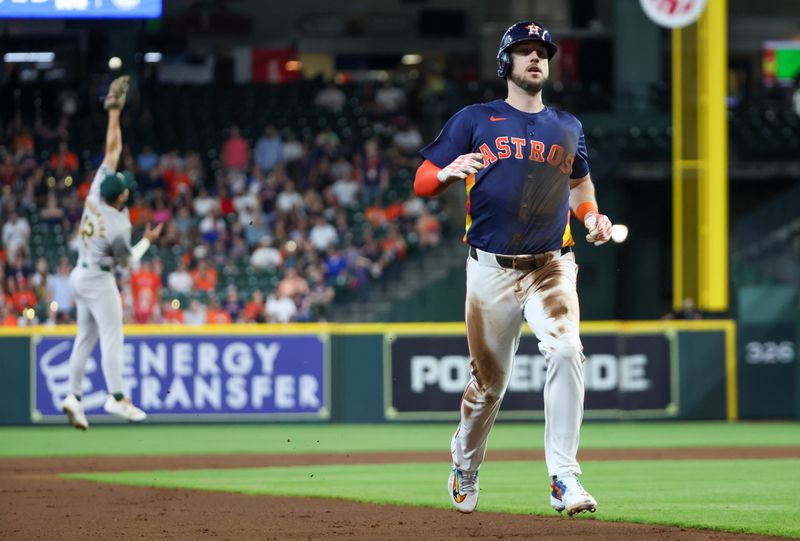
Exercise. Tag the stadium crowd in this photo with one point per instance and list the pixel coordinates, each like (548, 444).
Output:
(273, 229)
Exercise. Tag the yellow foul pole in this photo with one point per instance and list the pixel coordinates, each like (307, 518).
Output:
(700, 161)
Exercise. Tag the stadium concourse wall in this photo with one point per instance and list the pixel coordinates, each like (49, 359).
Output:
(367, 373)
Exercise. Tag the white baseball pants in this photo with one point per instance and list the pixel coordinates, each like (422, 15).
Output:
(498, 300)
(99, 316)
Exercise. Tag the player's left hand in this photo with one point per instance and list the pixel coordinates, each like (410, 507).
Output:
(152, 234)
(117, 92)
(599, 227)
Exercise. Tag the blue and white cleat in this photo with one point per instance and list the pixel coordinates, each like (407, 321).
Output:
(567, 494)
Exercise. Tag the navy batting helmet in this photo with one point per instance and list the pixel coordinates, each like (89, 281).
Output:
(522, 31)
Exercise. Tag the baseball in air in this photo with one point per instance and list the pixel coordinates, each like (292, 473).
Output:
(114, 63)
(619, 233)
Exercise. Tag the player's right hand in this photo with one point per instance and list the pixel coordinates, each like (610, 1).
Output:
(152, 234)
(599, 228)
(461, 168)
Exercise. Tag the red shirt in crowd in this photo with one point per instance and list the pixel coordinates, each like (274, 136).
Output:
(69, 160)
(145, 279)
(144, 307)
(236, 153)
(177, 183)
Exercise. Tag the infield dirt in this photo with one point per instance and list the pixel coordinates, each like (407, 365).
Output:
(35, 503)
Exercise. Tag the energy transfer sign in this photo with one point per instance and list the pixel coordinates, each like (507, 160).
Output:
(196, 377)
(673, 13)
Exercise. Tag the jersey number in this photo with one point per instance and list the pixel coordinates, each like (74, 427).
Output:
(87, 229)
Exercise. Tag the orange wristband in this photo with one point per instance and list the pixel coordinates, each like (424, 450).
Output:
(426, 184)
(584, 209)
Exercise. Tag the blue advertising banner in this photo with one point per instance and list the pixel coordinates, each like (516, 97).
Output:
(196, 377)
(62, 9)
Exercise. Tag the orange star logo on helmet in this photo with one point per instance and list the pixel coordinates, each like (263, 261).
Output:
(533, 29)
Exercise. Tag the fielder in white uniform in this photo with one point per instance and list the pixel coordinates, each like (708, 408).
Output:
(526, 170)
(105, 232)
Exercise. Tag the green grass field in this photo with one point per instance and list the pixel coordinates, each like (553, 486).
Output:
(723, 495)
(756, 496)
(327, 438)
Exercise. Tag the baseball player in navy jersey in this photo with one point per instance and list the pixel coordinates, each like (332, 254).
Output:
(525, 170)
(105, 232)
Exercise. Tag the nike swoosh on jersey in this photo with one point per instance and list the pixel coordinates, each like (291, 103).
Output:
(496, 118)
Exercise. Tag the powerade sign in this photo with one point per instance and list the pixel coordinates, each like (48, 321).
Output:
(85, 9)
(196, 377)
(622, 374)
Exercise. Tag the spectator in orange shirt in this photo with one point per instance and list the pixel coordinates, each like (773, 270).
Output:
(23, 141)
(171, 313)
(215, 314)
(177, 181)
(255, 309)
(204, 277)
(83, 188)
(394, 243)
(7, 317)
(375, 215)
(394, 211)
(146, 279)
(138, 212)
(429, 229)
(22, 296)
(5, 293)
(64, 159)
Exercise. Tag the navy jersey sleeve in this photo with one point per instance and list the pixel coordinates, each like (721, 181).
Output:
(580, 167)
(454, 140)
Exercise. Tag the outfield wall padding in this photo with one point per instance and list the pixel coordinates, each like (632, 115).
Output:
(362, 373)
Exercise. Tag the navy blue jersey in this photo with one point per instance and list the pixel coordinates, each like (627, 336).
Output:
(519, 202)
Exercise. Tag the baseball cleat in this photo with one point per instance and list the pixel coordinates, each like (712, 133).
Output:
(125, 409)
(567, 494)
(555, 498)
(462, 486)
(73, 409)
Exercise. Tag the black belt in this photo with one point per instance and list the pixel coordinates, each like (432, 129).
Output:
(104, 268)
(521, 262)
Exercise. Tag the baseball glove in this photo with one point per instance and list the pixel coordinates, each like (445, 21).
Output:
(117, 92)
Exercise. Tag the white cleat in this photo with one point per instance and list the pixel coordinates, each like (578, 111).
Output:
(555, 500)
(462, 486)
(567, 494)
(73, 409)
(125, 409)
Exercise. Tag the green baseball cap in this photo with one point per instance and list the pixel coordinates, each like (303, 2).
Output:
(116, 183)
